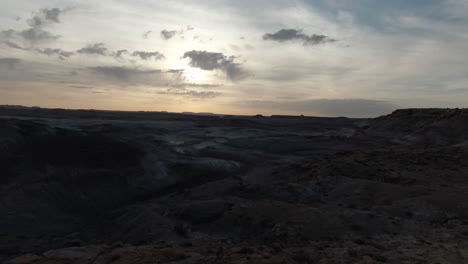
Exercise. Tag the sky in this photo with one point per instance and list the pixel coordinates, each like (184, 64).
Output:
(356, 58)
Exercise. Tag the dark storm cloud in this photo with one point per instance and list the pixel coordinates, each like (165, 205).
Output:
(294, 34)
(148, 55)
(94, 49)
(9, 62)
(61, 54)
(168, 34)
(328, 107)
(210, 61)
(14, 45)
(123, 73)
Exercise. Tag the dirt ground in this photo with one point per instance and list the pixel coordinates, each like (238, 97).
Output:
(85, 187)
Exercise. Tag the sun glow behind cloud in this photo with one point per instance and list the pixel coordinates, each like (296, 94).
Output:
(282, 53)
(195, 75)
(191, 74)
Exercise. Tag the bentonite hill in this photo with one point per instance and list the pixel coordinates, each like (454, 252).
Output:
(95, 187)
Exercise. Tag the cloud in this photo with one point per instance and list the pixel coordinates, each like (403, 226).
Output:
(201, 95)
(9, 62)
(207, 61)
(148, 55)
(14, 45)
(81, 87)
(292, 71)
(7, 34)
(176, 71)
(191, 94)
(125, 76)
(249, 47)
(203, 85)
(96, 48)
(100, 49)
(36, 33)
(234, 47)
(123, 73)
(121, 52)
(61, 54)
(133, 75)
(294, 34)
(146, 34)
(168, 34)
(210, 61)
(235, 72)
(30, 36)
(198, 85)
(52, 14)
(45, 17)
(327, 107)
(118, 55)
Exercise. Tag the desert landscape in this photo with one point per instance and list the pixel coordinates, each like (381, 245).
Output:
(243, 132)
(86, 186)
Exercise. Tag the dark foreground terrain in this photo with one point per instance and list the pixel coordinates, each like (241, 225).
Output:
(85, 187)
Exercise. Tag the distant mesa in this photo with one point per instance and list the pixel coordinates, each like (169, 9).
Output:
(200, 114)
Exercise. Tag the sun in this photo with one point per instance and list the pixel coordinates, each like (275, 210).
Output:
(194, 75)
